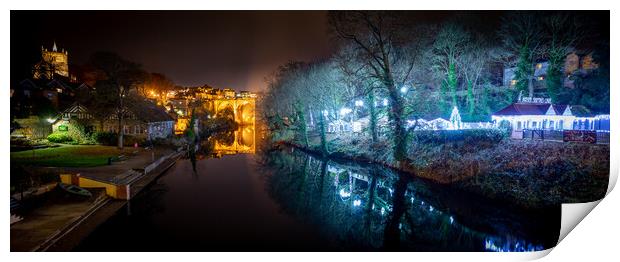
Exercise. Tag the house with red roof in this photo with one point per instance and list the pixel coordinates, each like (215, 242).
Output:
(541, 114)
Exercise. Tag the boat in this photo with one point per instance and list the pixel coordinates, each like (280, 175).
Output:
(76, 190)
(14, 204)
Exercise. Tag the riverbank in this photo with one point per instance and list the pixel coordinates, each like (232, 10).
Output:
(526, 173)
(44, 229)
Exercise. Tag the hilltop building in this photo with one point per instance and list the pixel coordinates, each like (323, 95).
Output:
(53, 63)
(574, 64)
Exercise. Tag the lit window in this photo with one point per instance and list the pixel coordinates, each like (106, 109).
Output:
(513, 82)
(541, 78)
(538, 66)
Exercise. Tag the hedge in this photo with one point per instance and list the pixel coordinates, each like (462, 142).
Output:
(59, 137)
(467, 135)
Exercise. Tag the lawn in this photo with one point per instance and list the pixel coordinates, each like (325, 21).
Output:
(66, 156)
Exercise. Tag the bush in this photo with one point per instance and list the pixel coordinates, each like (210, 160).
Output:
(490, 135)
(105, 138)
(80, 132)
(59, 137)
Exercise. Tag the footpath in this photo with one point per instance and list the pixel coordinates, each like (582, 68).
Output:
(60, 222)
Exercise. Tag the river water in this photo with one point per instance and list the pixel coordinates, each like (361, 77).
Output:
(236, 197)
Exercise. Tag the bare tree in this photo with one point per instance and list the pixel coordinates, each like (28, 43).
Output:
(449, 46)
(381, 39)
(521, 34)
(562, 33)
(121, 77)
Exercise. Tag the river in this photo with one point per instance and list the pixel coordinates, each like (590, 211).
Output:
(240, 198)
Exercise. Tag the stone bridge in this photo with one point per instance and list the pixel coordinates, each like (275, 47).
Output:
(243, 108)
(244, 142)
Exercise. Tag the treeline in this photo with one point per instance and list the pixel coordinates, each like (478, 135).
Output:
(404, 68)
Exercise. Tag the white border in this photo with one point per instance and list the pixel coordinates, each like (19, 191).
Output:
(595, 239)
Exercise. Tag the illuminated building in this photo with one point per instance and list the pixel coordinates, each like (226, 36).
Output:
(53, 62)
(540, 114)
(574, 63)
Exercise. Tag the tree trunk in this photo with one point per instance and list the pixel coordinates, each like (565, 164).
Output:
(399, 136)
(373, 116)
(121, 132)
(301, 114)
(324, 149)
(470, 98)
(530, 85)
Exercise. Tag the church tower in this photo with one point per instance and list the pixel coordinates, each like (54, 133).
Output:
(54, 62)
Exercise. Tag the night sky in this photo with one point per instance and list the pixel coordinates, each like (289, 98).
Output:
(234, 49)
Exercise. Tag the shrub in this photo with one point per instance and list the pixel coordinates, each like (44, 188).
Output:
(80, 132)
(59, 137)
(105, 138)
(490, 135)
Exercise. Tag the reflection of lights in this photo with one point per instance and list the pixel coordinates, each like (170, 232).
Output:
(382, 211)
(430, 208)
(357, 202)
(400, 225)
(451, 220)
(344, 193)
(412, 200)
(359, 103)
(422, 202)
(373, 206)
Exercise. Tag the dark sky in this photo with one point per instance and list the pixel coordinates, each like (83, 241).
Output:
(234, 49)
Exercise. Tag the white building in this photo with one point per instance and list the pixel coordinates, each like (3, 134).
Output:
(542, 115)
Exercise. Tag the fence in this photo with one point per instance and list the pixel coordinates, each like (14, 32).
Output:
(554, 135)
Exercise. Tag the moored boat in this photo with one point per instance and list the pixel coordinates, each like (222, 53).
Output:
(76, 190)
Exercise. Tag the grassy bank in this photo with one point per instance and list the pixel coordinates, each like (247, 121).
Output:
(524, 172)
(66, 156)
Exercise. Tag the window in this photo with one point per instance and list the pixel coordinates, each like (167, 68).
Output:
(533, 124)
(538, 66)
(513, 82)
(518, 125)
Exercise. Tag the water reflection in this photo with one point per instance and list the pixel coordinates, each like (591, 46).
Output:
(230, 142)
(373, 208)
(287, 200)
